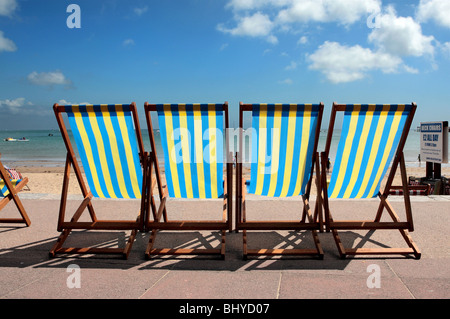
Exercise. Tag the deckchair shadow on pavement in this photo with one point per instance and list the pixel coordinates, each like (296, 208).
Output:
(283, 149)
(192, 143)
(9, 187)
(109, 144)
(371, 136)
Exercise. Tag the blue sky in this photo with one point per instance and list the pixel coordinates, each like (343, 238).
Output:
(211, 51)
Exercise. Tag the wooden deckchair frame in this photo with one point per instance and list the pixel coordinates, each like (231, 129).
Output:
(13, 190)
(158, 219)
(335, 225)
(66, 227)
(307, 221)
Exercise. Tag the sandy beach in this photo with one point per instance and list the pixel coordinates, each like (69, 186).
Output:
(49, 180)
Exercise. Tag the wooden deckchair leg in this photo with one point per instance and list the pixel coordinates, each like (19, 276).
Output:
(314, 232)
(14, 197)
(243, 217)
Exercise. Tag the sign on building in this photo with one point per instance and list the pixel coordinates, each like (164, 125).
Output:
(434, 142)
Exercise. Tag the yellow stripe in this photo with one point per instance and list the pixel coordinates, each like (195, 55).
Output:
(289, 149)
(388, 147)
(171, 150)
(262, 135)
(87, 148)
(275, 151)
(184, 135)
(373, 151)
(213, 151)
(199, 150)
(348, 147)
(101, 150)
(360, 150)
(115, 155)
(303, 148)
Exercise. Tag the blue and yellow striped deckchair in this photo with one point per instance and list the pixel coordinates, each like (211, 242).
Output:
(372, 138)
(8, 191)
(192, 139)
(109, 144)
(284, 140)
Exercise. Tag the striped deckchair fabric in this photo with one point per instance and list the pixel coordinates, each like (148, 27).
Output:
(368, 141)
(4, 190)
(282, 148)
(107, 145)
(371, 143)
(192, 142)
(110, 147)
(284, 139)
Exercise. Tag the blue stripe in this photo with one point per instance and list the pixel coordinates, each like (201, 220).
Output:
(95, 151)
(219, 152)
(192, 144)
(255, 148)
(108, 153)
(81, 151)
(296, 152)
(178, 149)
(380, 152)
(122, 153)
(309, 155)
(353, 152)
(340, 150)
(283, 148)
(394, 147)
(269, 153)
(206, 160)
(165, 147)
(367, 151)
(134, 148)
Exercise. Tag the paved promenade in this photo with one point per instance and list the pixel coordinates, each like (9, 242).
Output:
(26, 271)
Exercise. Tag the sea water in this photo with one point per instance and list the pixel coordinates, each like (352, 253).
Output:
(46, 148)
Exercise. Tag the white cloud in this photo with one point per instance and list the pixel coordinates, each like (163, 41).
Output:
(14, 106)
(64, 102)
(140, 11)
(340, 63)
(341, 11)
(7, 7)
(48, 78)
(239, 5)
(401, 36)
(223, 46)
(6, 44)
(437, 10)
(260, 18)
(446, 49)
(256, 25)
(127, 42)
(303, 40)
(291, 66)
(286, 81)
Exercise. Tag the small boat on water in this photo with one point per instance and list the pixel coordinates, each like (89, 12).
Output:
(10, 139)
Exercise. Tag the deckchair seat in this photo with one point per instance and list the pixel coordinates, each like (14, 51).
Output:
(111, 151)
(372, 138)
(284, 140)
(192, 138)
